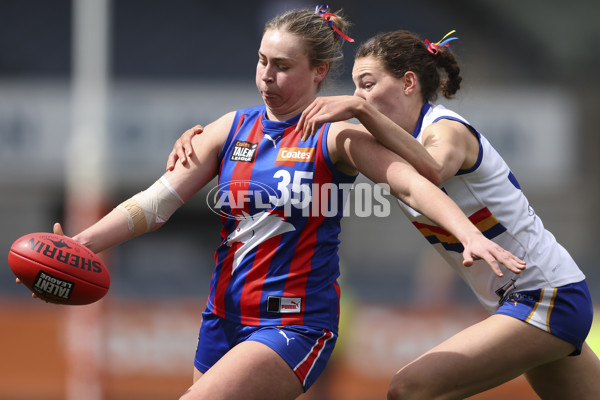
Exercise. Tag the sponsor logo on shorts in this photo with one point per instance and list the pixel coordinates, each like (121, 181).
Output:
(243, 151)
(287, 339)
(53, 288)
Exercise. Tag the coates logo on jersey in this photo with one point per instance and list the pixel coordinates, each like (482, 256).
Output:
(299, 154)
(243, 151)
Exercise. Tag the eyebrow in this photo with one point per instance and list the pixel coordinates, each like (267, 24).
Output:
(276, 59)
(362, 75)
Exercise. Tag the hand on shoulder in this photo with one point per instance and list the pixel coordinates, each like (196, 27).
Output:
(328, 109)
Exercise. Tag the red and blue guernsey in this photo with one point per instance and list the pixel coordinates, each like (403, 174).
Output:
(281, 202)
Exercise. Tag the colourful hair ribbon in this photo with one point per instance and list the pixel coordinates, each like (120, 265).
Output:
(321, 10)
(444, 42)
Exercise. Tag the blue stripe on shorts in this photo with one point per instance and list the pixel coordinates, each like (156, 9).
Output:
(566, 312)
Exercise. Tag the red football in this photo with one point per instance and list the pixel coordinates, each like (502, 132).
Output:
(58, 269)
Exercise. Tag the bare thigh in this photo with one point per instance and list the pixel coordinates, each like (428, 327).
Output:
(478, 358)
(250, 370)
(568, 378)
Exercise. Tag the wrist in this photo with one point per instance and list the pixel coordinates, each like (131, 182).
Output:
(468, 235)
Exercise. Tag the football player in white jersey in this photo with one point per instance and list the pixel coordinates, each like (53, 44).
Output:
(539, 318)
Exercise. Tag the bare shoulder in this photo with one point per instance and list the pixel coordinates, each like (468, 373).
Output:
(447, 130)
(203, 164)
(214, 134)
(453, 144)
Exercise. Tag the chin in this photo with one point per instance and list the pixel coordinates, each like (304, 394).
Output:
(271, 103)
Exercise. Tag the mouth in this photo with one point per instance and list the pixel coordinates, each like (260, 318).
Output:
(268, 97)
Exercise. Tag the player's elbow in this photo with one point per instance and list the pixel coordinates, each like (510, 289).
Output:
(433, 175)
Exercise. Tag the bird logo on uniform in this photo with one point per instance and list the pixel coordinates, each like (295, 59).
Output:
(252, 230)
(274, 141)
(286, 337)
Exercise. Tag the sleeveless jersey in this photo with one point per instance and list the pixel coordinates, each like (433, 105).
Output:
(490, 195)
(281, 202)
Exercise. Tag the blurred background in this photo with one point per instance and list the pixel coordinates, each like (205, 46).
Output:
(93, 93)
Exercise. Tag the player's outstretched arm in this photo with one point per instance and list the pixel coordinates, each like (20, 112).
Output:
(151, 208)
(354, 148)
(342, 108)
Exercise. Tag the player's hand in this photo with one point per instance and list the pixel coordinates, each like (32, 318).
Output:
(32, 294)
(35, 296)
(327, 109)
(57, 228)
(482, 248)
(182, 149)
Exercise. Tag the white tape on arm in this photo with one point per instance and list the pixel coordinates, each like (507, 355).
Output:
(154, 205)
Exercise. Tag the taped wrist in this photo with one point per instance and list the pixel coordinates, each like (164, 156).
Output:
(154, 205)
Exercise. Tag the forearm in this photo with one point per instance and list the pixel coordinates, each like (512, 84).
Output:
(150, 209)
(361, 151)
(432, 202)
(142, 213)
(401, 142)
(110, 231)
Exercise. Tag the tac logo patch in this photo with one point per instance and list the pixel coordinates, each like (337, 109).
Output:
(52, 287)
(243, 151)
(299, 154)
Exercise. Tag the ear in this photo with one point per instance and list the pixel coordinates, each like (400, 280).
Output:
(410, 82)
(321, 72)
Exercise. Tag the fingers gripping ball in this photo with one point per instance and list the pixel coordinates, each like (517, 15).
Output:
(58, 269)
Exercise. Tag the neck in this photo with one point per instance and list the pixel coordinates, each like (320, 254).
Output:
(410, 119)
(272, 116)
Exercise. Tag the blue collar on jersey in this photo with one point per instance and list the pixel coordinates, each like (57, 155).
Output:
(424, 111)
(278, 125)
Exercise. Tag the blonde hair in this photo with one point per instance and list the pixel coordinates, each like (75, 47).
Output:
(322, 43)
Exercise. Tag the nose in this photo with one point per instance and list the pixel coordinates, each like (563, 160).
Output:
(266, 73)
(357, 93)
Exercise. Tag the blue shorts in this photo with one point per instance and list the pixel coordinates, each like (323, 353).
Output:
(306, 350)
(565, 312)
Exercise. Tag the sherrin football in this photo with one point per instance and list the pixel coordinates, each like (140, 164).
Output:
(58, 269)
